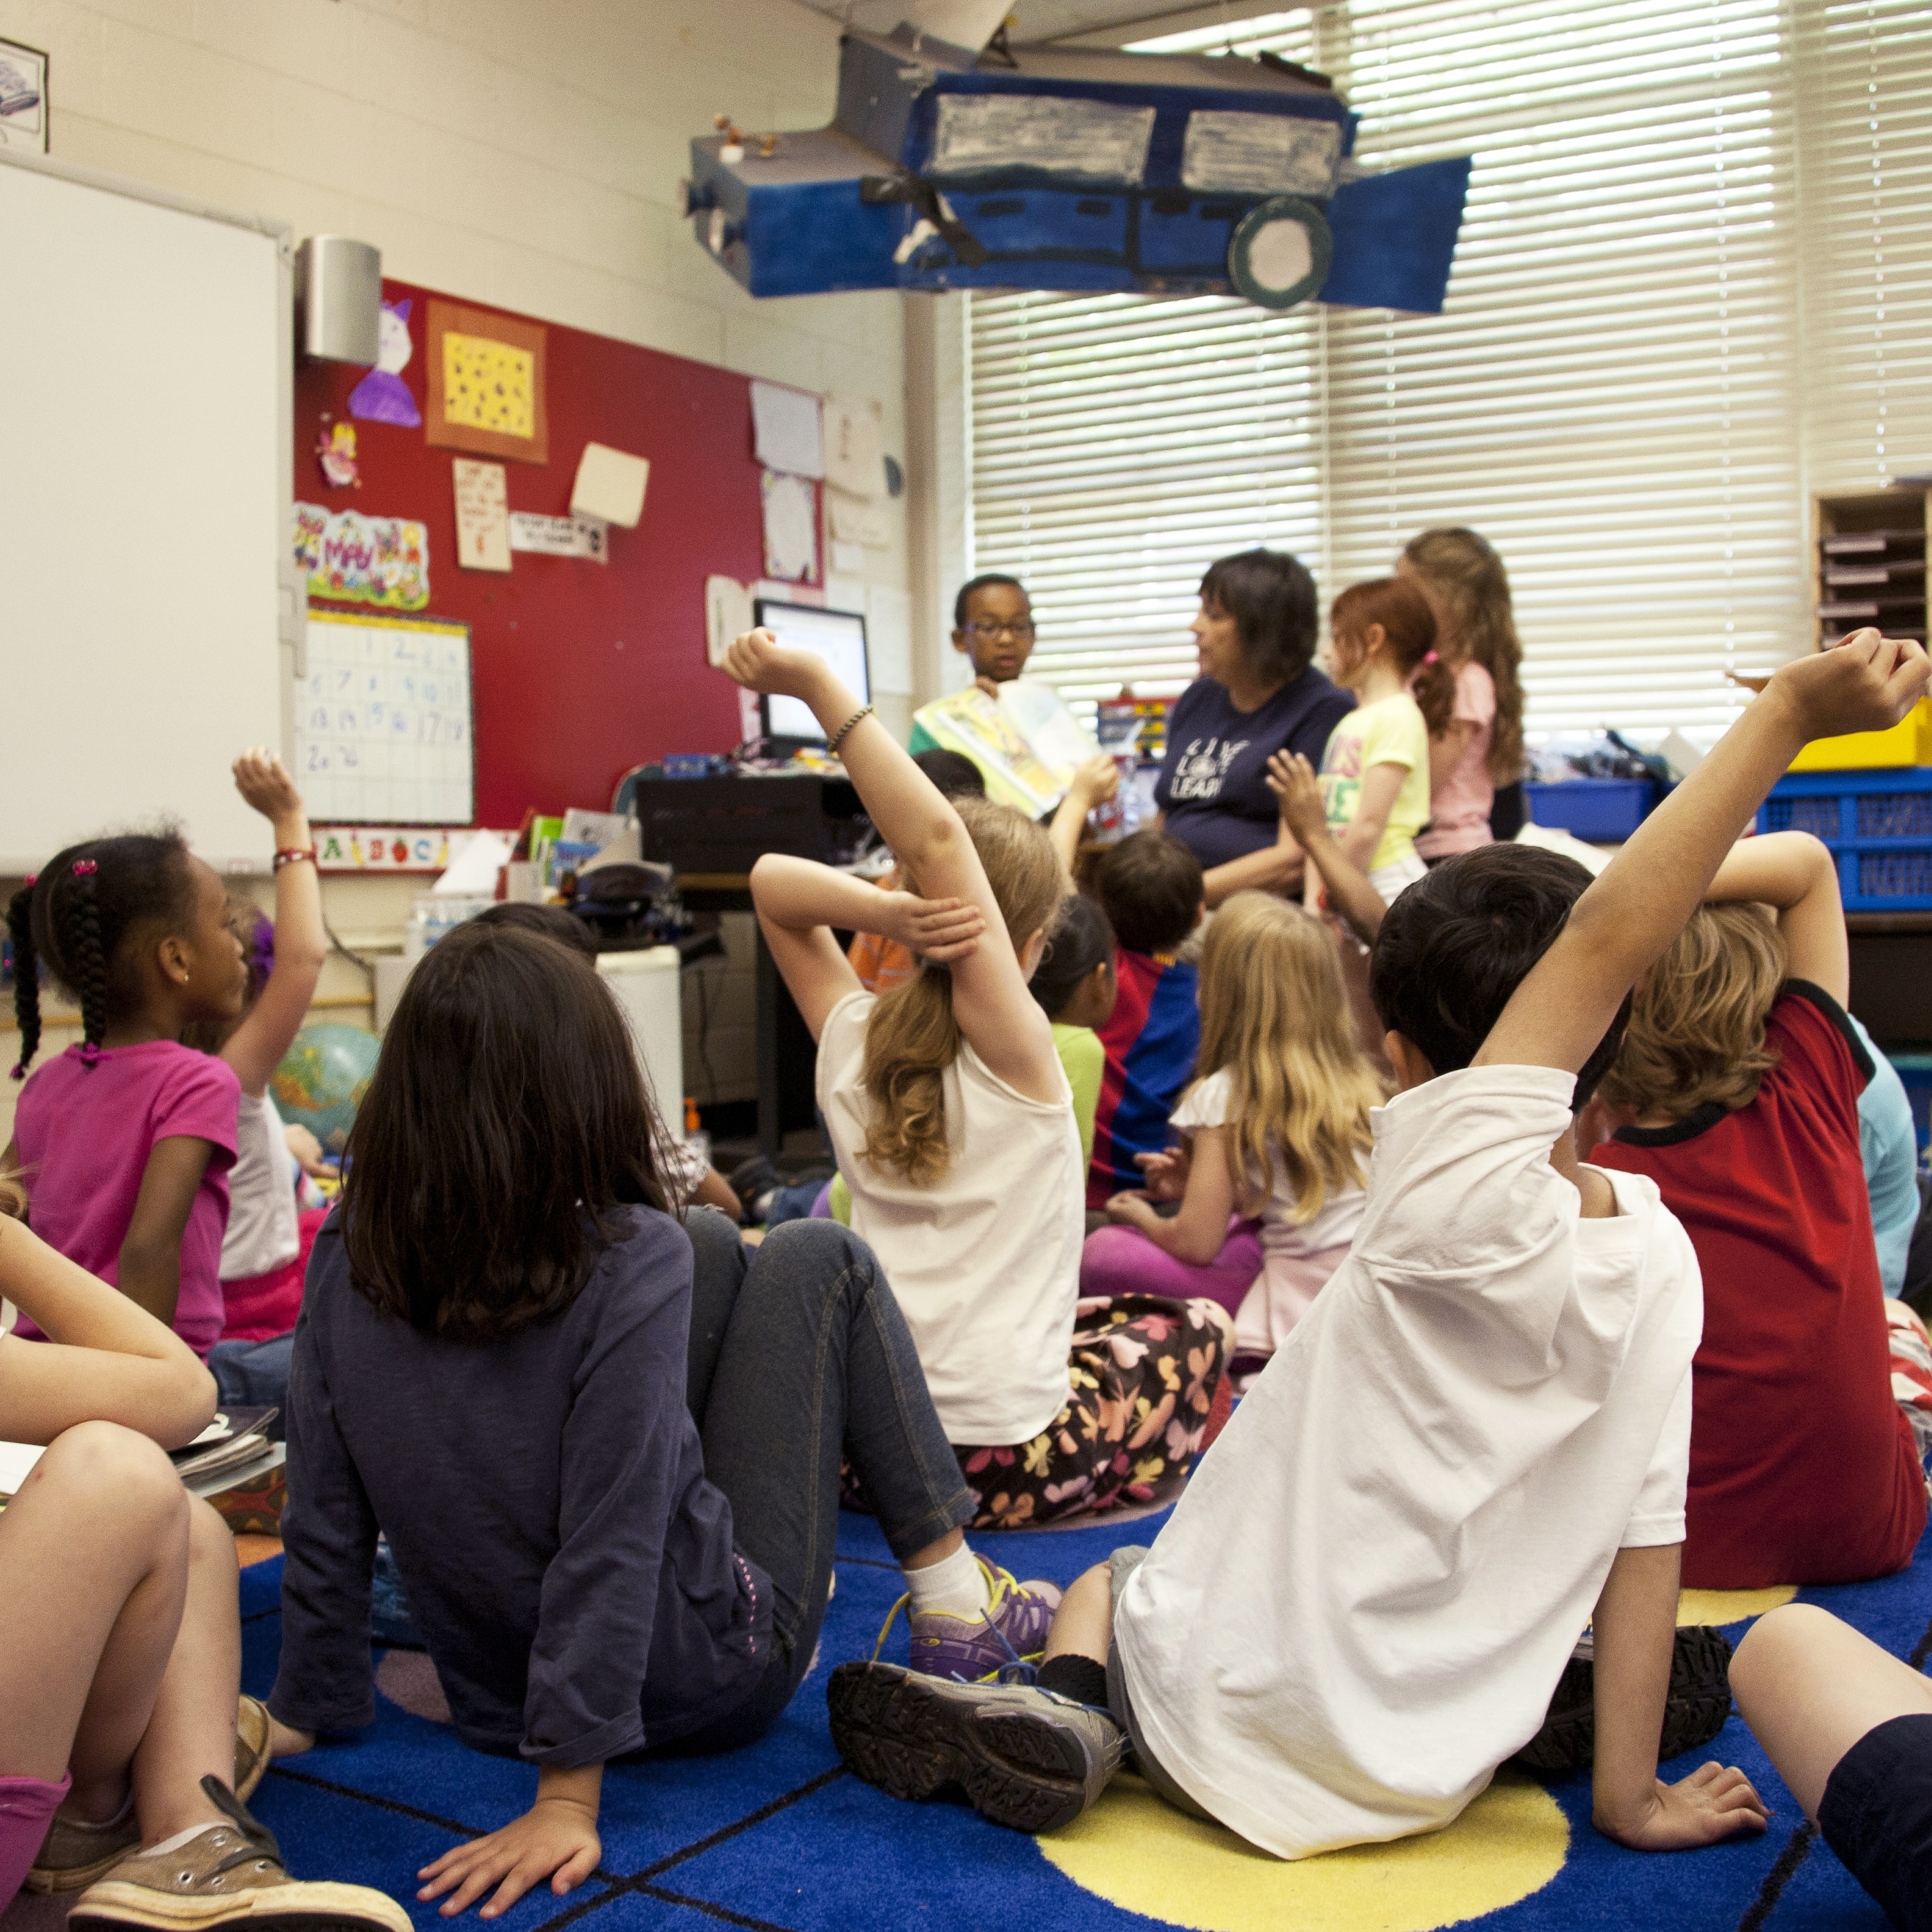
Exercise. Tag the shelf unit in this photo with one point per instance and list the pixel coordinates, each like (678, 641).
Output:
(1883, 530)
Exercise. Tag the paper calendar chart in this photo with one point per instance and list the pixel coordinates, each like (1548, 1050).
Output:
(383, 722)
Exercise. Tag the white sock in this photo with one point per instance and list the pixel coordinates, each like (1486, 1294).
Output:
(955, 1584)
(181, 1838)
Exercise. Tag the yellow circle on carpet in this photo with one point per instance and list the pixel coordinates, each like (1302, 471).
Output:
(1731, 1606)
(1144, 1856)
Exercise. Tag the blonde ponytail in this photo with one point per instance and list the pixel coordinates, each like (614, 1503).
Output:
(912, 1037)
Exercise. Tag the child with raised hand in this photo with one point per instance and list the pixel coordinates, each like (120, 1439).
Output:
(953, 1121)
(1376, 770)
(1736, 1092)
(604, 1447)
(263, 1251)
(119, 1677)
(1475, 1444)
(127, 1139)
(1276, 1125)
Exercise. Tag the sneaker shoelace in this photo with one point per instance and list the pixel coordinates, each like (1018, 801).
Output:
(1000, 1584)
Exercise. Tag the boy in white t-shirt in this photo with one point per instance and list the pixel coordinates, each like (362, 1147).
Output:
(1476, 1440)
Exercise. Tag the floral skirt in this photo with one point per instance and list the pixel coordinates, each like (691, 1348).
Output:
(1147, 1395)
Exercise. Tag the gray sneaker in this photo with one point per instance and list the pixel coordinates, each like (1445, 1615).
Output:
(1026, 1758)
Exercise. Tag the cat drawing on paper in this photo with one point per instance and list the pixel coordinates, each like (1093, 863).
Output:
(382, 396)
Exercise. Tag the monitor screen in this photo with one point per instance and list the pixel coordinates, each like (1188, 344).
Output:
(838, 637)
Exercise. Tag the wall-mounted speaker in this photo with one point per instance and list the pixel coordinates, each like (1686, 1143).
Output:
(338, 299)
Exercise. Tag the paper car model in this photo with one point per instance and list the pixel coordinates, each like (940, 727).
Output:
(1046, 168)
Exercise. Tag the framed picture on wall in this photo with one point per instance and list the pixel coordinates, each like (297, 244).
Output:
(486, 384)
(23, 98)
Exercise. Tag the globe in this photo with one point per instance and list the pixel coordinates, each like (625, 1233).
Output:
(322, 1078)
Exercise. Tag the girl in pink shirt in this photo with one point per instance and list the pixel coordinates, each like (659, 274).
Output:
(125, 1141)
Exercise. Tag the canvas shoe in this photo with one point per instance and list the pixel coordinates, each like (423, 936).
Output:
(1699, 1702)
(227, 1875)
(1011, 1631)
(74, 1853)
(1026, 1758)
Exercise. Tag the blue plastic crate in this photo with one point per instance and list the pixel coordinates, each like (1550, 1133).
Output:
(1605, 809)
(1878, 825)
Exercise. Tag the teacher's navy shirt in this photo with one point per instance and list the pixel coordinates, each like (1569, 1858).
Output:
(1213, 782)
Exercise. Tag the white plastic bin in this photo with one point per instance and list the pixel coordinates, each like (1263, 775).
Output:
(647, 987)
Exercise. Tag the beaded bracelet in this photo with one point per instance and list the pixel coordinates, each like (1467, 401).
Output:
(293, 855)
(838, 737)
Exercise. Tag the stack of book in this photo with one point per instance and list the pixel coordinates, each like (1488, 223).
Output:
(1872, 577)
(234, 1448)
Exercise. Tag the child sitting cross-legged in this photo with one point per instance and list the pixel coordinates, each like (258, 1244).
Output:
(1737, 1092)
(953, 1121)
(1474, 1443)
(605, 1446)
(1277, 1123)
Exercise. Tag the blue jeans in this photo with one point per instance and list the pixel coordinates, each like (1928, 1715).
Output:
(254, 1375)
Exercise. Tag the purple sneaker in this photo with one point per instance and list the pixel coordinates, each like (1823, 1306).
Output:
(1011, 1630)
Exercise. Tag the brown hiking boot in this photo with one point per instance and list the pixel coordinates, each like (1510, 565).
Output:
(75, 1853)
(227, 1875)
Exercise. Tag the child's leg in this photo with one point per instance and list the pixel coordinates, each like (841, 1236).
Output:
(1122, 1260)
(93, 1569)
(799, 1354)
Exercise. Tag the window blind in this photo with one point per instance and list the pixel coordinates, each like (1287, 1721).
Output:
(1615, 395)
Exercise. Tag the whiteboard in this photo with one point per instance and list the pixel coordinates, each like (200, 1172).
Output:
(382, 724)
(146, 347)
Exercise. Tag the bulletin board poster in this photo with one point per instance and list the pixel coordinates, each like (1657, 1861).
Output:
(384, 734)
(582, 666)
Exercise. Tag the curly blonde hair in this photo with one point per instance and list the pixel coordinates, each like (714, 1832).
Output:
(1696, 1025)
(912, 1037)
(1275, 1017)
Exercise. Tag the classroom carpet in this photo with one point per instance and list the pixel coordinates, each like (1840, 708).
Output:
(781, 1836)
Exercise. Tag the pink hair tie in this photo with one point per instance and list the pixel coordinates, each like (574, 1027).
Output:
(32, 880)
(1431, 658)
(85, 869)
(90, 1054)
(20, 1071)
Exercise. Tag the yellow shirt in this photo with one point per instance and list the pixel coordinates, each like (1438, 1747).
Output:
(1389, 732)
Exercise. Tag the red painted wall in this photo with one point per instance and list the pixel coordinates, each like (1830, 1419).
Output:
(580, 669)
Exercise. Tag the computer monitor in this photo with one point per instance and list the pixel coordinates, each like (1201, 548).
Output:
(838, 637)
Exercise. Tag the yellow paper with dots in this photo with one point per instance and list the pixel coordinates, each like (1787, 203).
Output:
(489, 386)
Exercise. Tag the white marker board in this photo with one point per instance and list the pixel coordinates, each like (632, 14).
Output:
(382, 716)
(147, 627)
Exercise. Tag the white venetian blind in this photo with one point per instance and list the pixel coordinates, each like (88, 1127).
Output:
(1864, 131)
(1616, 396)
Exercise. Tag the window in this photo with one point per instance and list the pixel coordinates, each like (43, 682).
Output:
(1697, 252)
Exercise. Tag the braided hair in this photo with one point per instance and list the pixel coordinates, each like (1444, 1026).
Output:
(78, 920)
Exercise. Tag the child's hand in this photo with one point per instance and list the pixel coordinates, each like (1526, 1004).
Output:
(1868, 683)
(1133, 1208)
(760, 662)
(941, 930)
(554, 1839)
(260, 779)
(1715, 1801)
(1166, 1172)
(1298, 792)
(305, 1147)
(1095, 780)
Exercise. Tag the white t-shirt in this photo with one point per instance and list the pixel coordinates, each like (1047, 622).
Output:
(262, 1231)
(985, 1262)
(1363, 1601)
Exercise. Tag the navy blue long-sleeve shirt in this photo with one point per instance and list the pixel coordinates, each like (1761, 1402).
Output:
(571, 1568)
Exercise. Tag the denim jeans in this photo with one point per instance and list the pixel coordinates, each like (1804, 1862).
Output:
(793, 1202)
(254, 1375)
(799, 1355)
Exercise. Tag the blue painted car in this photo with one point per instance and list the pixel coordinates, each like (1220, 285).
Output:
(1045, 168)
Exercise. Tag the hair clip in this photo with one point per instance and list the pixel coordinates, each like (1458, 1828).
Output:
(85, 869)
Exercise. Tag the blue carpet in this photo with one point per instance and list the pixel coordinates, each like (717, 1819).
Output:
(778, 1836)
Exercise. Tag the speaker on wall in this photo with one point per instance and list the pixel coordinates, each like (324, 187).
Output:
(338, 299)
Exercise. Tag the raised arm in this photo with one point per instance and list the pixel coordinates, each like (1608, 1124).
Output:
(1566, 1002)
(1305, 816)
(256, 1047)
(1795, 875)
(1095, 782)
(107, 1359)
(1005, 1024)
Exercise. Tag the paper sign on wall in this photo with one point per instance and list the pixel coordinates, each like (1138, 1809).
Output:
(482, 515)
(787, 432)
(855, 520)
(358, 560)
(791, 526)
(855, 458)
(560, 536)
(889, 639)
(727, 615)
(610, 485)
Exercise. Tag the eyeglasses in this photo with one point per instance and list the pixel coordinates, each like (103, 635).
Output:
(986, 632)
